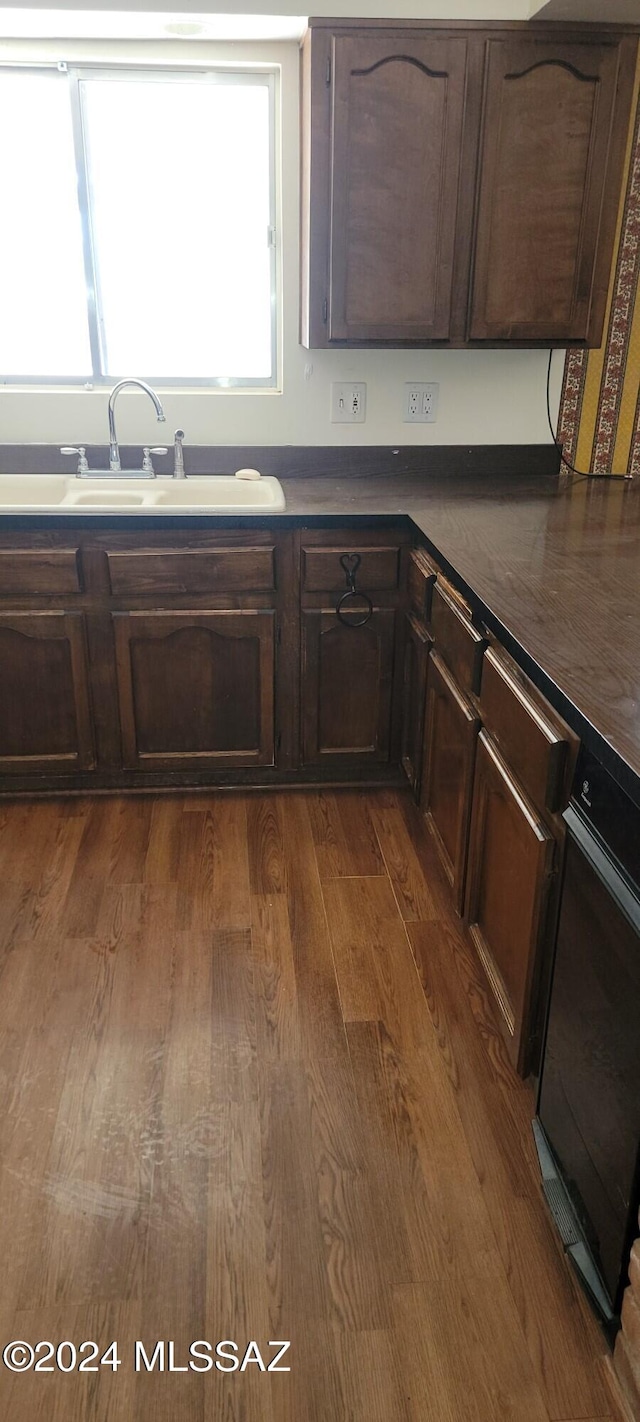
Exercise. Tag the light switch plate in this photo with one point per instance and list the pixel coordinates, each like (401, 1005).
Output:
(348, 403)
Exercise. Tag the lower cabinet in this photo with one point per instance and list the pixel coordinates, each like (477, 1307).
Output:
(451, 731)
(45, 716)
(512, 857)
(196, 689)
(416, 660)
(347, 687)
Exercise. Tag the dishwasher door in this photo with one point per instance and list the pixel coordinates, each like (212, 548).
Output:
(589, 1094)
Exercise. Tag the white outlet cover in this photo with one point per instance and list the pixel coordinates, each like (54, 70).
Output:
(348, 402)
(420, 402)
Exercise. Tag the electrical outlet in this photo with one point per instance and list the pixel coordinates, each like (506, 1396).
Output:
(420, 403)
(348, 404)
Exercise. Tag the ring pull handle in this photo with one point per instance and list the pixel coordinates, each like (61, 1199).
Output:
(350, 562)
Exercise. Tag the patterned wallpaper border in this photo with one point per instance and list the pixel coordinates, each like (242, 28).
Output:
(599, 418)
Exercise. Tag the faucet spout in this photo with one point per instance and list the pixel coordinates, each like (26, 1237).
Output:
(114, 452)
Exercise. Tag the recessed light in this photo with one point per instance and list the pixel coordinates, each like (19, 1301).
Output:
(184, 29)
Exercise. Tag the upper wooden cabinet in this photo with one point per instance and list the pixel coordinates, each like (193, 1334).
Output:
(548, 111)
(396, 105)
(460, 184)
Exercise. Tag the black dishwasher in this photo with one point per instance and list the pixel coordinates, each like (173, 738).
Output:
(587, 1127)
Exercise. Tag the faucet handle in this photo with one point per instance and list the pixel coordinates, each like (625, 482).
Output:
(147, 465)
(81, 451)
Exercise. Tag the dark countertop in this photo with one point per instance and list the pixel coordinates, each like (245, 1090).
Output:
(553, 565)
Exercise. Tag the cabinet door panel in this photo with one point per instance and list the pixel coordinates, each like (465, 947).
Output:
(196, 688)
(347, 687)
(451, 730)
(511, 857)
(543, 165)
(416, 659)
(45, 720)
(397, 125)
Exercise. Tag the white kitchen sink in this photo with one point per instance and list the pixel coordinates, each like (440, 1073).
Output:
(218, 493)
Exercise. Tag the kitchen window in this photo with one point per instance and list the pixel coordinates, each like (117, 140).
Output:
(138, 231)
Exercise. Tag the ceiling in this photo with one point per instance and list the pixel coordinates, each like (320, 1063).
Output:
(216, 19)
(624, 12)
(23, 19)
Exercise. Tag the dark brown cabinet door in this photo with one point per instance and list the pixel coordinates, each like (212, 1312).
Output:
(396, 135)
(45, 719)
(196, 689)
(347, 677)
(414, 690)
(511, 859)
(544, 234)
(451, 731)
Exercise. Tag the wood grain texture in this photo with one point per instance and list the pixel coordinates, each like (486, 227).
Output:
(539, 248)
(395, 147)
(451, 732)
(45, 719)
(512, 857)
(216, 1121)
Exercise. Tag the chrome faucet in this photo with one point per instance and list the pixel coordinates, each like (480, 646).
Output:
(114, 452)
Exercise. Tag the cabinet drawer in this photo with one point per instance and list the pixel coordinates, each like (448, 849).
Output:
(457, 641)
(534, 743)
(27, 572)
(377, 571)
(198, 570)
(421, 577)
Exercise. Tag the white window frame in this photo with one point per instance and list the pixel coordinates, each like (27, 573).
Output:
(263, 75)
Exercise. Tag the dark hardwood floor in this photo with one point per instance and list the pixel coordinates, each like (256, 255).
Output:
(251, 1089)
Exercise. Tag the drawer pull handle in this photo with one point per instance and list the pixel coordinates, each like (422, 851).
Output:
(350, 562)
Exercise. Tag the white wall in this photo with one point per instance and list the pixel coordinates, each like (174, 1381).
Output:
(490, 397)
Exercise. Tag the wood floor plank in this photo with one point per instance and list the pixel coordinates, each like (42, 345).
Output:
(28, 831)
(45, 904)
(265, 838)
(353, 1261)
(319, 1008)
(96, 1187)
(232, 1012)
(468, 1359)
(387, 1218)
(375, 969)
(214, 867)
(344, 836)
(186, 1138)
(278, 1025)
(299, 1296)
(372, 1386)
(162, 858)
(237, 1298)
(35, 1043)
(105, 1396)
(447, 1220)
(403, 866)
